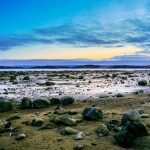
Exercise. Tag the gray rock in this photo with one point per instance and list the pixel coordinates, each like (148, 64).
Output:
(140, 110)
(102, 130)
(5, 106)
(130, 116)
(68, 130)
(40, 103)
(26, 103)
(37, 122)
(49, 125)
(79, 136)
(7, 124)
(69, 121)
(92, 113)
(61, 111)
(21, 136)
(129, 132)
(66, 100)
(145, 116)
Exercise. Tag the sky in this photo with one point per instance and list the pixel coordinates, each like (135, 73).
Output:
(95, 30)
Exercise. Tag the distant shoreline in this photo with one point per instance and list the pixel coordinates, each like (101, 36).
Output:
(78, 67)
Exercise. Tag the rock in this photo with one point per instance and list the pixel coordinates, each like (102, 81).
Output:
(79, 147)
(21, 136)
(69, 121)
(68, 130)
(103, 96)
(7, 124)
(2, 127)
(102, 130)
(37, 122)
(140, 129)
(12, 118)
(92, 113)
(61, 111)
(66, 100)
(39, 103)
(112, 124)
(79, 136)
(55, 101)
(126, 136)
(145, 116)
(119, 95)
(142, 83)
(130, 116)
(5, 106)
(26, 103)
(129, 132)
(49, 125)
(117, 129)
(72, 112)
(140, 110)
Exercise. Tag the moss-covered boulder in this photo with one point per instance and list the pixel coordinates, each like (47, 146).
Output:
(39, 103)
(5, 106)
(26, 103)
(142, 83)
(69, 121)
(129, 132)
(37, 122)
(102, 130)
(66, 100)
(92, 113)
(49, 125)
(132, 116)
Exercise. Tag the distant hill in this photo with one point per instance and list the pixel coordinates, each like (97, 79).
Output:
(77, 67)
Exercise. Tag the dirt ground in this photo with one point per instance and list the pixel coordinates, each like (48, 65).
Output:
(51, 139)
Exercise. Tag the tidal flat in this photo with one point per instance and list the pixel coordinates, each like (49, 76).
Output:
(75, 109)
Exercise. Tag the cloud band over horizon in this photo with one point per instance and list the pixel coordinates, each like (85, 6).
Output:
(96, 29)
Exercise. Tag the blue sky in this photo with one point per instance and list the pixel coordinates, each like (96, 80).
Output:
(65, 29)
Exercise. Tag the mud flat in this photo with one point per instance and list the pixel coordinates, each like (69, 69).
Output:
(81, 84)
(103, 110)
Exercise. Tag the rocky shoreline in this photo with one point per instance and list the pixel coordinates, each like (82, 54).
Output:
(65, 124)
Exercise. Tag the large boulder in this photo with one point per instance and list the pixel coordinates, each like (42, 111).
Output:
(26, 103)
(129, 132)
(102, 130)
(37, 122)
(92, 113)
(66, 100)
(131, 116)
(140, 129)
(39, 103)
(5, 106)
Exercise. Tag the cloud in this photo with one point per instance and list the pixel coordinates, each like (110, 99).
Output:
(101, 28)
(119, 60)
